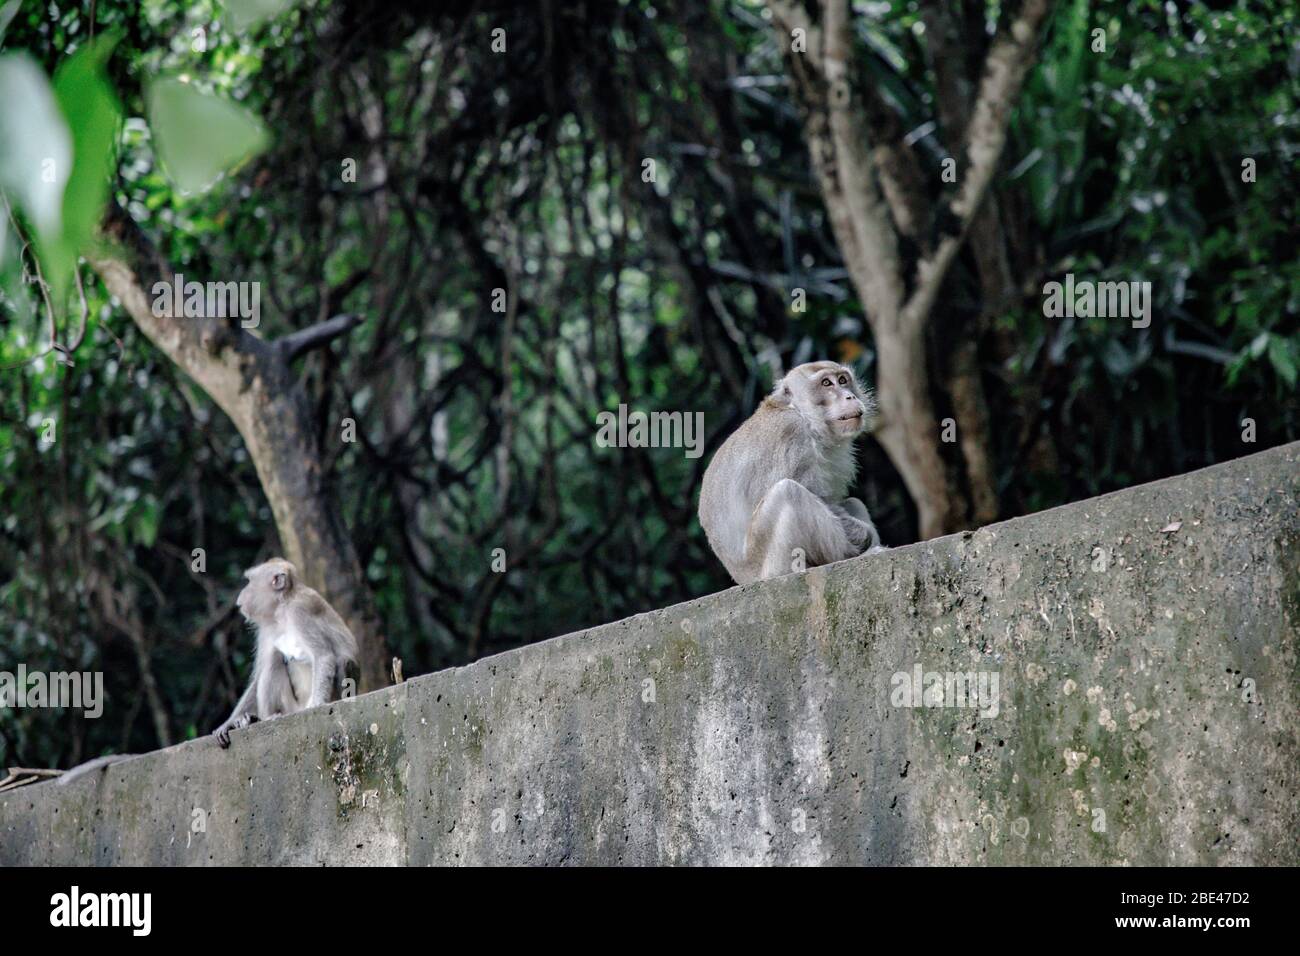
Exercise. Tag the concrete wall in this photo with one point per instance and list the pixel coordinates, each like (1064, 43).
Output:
(1146, 714)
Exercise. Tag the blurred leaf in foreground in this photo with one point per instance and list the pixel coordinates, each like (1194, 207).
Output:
(35, 145)
(92, 111)
(199, 136)
(248, 13)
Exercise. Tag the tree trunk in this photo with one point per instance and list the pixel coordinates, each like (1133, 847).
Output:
(909, 431)
(251, 380)
(871, 200)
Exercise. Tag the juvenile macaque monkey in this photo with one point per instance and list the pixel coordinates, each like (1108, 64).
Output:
(303, 647)
(774, 493)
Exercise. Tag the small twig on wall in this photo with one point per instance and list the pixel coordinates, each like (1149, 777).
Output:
(21, 776)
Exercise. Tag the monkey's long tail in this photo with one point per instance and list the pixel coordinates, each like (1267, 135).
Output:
(90, 766)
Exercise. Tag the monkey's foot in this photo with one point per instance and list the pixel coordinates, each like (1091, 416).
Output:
(222, 733)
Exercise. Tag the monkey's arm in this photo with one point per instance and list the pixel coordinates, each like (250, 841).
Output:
(240, 717)
(322, 638)
(790, 518)
(322, 679)
(331, 646)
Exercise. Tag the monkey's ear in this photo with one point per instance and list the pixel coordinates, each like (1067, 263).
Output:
(782, 396)
(279, 581)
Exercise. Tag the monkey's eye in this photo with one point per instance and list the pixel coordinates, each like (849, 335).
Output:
(843, 380)
(826, 382)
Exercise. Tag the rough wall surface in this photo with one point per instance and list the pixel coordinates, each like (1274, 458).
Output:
(1144, 646)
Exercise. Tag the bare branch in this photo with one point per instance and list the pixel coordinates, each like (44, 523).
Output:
(788, 16)
(898, 166)
(853, 164)
(952, 90)
(295, 344)
(215, 353)
(843, 164)
(1005, 68)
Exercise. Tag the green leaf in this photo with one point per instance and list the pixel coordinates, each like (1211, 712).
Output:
(1280, 355)
(7, 13)
(94, 116)
(146, 524)
(248, 13)
(199, 136)
(35, 145)
(8, 253)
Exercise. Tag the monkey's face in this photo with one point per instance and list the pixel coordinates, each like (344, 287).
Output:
(268, 585)
(828, 395)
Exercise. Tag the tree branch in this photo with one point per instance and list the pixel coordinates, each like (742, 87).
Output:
(898, 166)
(290, 347)
(856, 170)
(841, 159)
(1005, 68)
(947, 60)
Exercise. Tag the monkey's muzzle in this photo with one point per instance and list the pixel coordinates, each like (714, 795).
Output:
(850, 423)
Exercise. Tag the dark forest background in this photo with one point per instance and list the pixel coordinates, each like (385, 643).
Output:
(796, 198)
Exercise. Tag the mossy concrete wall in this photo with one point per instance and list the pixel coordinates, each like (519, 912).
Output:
(1145, 650)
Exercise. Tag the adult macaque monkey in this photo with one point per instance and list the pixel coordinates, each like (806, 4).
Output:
(303, 647)
(776, 488)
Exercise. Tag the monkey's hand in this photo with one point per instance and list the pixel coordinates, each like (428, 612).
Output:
(222, 733)
(859, 534)
(857, 525)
